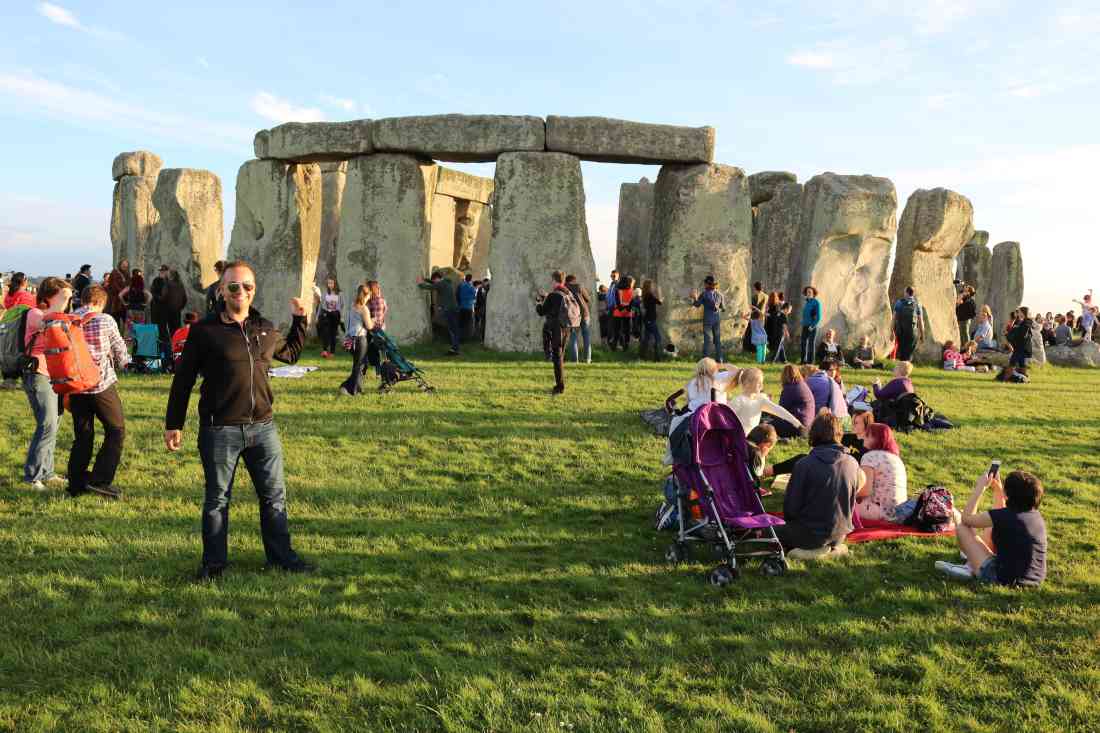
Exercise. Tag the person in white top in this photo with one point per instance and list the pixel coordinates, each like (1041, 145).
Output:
(330, 312)
(709, 375)
(887, 481)
(752, 402)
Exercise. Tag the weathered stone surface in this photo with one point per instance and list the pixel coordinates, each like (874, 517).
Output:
(974, 265)
(443, 232)
(385, 235)
(1006, 281)
(482, 216)
(188, 236)
(935, 225)
(277, 230)
(136, 163)
(843, 250)
(775, 229)
(539, 226)
(1085, 355)
(621, 141)
(473, 227)
(467, 186)
(460, 138)
(702, 225)
(765, 184)
(313, 142)
(333, 178)
(635, 223)
(132, 219)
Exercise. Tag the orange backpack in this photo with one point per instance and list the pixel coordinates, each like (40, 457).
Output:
(68, 359)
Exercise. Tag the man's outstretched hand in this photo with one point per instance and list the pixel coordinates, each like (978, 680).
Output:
(173, 439)
(296, 308)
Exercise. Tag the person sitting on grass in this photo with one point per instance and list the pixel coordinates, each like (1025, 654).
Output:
(864, 356)
(827, 392)
(887, 481)
(828, 349)
(797, 399)
(752, 402)
(955, 360)
(1011, 547)
(761, 440)
(855, 441)
(710, 375)
(896, 387)
(821, 494)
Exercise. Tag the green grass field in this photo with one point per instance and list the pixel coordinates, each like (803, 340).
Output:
(487, 563)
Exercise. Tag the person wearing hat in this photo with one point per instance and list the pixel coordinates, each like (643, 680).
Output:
(712, 304)
(811, 317)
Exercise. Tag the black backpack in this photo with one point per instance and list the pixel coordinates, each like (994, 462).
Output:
(905, 413)
(907, 312)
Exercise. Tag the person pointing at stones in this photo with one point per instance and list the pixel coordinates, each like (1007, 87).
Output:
(232, 350)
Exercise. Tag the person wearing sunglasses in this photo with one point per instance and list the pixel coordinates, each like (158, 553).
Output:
(232, 350)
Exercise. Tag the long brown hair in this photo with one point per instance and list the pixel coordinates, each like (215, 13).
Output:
(361, 294)
(791, 374)
(647, 289)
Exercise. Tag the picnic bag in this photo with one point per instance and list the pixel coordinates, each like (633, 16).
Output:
(68, 360)
(13, 328)
(935, 511)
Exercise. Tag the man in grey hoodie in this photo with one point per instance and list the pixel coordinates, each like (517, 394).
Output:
(818, 504)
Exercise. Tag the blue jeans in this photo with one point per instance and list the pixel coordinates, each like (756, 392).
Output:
(39, 463)
(221, 448)
(650, 331)
(712, 331)
(584, 336)
(1017, 359)
(809, 341)
(452, 327)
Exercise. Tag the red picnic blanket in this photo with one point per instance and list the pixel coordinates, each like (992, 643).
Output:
(873, 530)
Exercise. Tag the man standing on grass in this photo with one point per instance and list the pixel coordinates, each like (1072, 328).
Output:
(232, 350)
(446, 301)
(555, 330)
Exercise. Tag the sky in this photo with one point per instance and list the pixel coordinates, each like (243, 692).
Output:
(996, 100)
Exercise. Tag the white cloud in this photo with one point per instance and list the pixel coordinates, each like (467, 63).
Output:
(1027, 92)
(812, 59)
(272, 108)
(852, 62)
(201, 61)
(347, 105)
(65, 17)
(942, 101)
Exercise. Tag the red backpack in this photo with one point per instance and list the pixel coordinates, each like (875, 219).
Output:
(68, 359)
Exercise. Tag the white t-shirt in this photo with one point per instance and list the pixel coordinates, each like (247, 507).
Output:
(698, 397)
(749, 408)
(331, 302)
(889, 487)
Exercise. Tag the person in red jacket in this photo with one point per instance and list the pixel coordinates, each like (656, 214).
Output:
(18, 293)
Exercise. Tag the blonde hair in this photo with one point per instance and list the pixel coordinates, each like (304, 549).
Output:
(808, 370)
(705, 371)
(987, 312)
(752, 380)
(903, 369)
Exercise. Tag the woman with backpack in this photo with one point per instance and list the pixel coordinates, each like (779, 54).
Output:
(54, 295)
(887, 481)
(18, 292)
(622, 313)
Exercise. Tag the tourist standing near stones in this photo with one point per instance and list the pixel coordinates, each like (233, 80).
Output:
(611, 336)
(232, 351)
(214, 298)
(53, 297)
(173, 303)
(602, 298)
(330, 313)
(712, 303)
(772, 308)
(651, 301)
(908, 324)
(479, 308)
(622, 314)
(553, 307)
(82, 280)
(581, 334)
(467, 301)
(811, 317)
(360, 325)
(101, 402)
(156, 305)
(966, 309)
(136, 298)
(1021, 337)
(445, 301)
(784, 332)
(118, 281)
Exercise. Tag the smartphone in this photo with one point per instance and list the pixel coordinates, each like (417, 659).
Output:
(994, 469)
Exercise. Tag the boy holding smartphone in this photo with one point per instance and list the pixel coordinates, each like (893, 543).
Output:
(1011, 547)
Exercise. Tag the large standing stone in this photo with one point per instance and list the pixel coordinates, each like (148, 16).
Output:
(188, 236)
(133, 217)
(843, 250)
(974, 265)
(538, 227)
(385, 235)
(461, 138)
(635, 223)
(775, 229)
(278, 231)
(702, 225)
(1086, 354)
(473, 227)
(1006, 281)
(443, 232)
(620, 141)
(482, 214)
(313, 142)
(764, 185)
(137, 163)
(333, 178)
(467, 186)
(934, 227)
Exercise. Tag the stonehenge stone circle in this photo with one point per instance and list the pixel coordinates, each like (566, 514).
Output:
(459, 138)
(635, 222)
(333, 178)
(482, 216)
(538, 226)
(1006, 282)
(277, 230)
(620, 141)
(1085, 355)
(466, 186)
(188, 235)
(133, 217)
(473, 227)
(765, 184)
(776, 224)
(975, 263)
(385, 235)
(702, 225)
(137, 163)
(314, 142)
(935, 225)
(443, 225)
(843, 250)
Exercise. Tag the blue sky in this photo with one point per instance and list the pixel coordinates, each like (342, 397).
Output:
(997, 100)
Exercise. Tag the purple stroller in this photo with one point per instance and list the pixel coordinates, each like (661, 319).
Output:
(734, 519)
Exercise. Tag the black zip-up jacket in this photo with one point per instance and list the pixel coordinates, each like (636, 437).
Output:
(552, 308)
(233, 360)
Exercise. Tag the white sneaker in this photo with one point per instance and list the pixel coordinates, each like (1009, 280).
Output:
(36, 485)
(958, 572)
(344, 392)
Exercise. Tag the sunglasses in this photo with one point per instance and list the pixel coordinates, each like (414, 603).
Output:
(235, 287)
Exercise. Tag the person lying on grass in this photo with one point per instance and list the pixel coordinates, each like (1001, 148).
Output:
(1011, 547)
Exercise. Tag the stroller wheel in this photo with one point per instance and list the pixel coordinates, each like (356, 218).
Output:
(773, 567)
(722, 575)
(676, 553)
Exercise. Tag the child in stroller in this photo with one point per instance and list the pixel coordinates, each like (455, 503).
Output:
(395, 367)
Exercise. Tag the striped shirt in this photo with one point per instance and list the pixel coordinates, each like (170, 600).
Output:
(107, 348)
(377, 308)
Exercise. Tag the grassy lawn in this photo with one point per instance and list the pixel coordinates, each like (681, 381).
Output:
(487, 562)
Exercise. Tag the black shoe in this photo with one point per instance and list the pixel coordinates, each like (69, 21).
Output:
(107, 492)
(558, 389)
(208, 573)
(74, 492)
(452, 352)
(299, 567)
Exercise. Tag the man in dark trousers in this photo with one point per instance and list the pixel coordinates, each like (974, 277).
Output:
(908, 324)
(232, 350)
(555, 331)
(446, 301)
(1022, 338)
